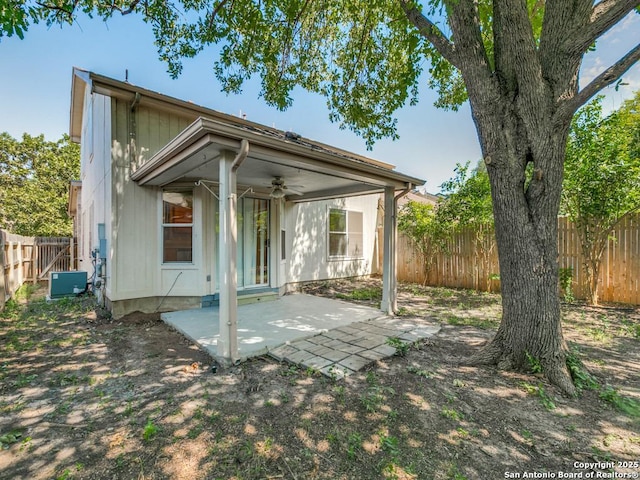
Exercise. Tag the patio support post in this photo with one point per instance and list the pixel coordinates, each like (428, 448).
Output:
(228, 241)
(389, 283)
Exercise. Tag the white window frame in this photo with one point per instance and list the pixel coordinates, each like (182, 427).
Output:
(348, 233)
(164, 225)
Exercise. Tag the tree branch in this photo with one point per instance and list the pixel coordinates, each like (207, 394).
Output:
(60, 9)
(213, 14)
(70, 12)
(480, 81)
(604, 15)
(431, 32)
(606, 78)
(129, 10)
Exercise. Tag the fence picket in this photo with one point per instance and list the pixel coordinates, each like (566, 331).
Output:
(25, 259)
(619, 273)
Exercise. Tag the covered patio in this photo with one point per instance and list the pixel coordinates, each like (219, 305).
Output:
(234, 159)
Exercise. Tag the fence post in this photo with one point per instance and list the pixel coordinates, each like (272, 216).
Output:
(20, 263)
(3, 294)
(36, 256)
(11, 259)
(72, 256)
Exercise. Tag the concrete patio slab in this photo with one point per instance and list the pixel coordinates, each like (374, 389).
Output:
(264, 326)
(334, 337)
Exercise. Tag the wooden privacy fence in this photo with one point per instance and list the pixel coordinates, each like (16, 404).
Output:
(619, 274)
(30, 259)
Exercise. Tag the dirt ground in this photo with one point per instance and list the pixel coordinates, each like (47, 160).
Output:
(86, 397)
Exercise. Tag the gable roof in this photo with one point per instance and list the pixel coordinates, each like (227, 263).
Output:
(357, 167)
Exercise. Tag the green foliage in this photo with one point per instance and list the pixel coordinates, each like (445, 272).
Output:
(419, 371)
(150, 430)
(362, 294)
(401, 347)
(539, 391)
(468, 207)
(390, 445)
(419, 222)
(627, 405)
(468, 199)
(452, 414)
(365, 57)
(473, 321)
(34, 184)
(354, 444)
(582, 379)
(566, 281)
(374, 396)
(602, 177)
(534, 364)
(8, 439)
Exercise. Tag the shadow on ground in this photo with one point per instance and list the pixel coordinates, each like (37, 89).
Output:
(83, 396)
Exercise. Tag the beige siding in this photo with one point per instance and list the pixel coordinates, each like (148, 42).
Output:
(95, 174)
(307, 239)
(209, 239)
(136, 216)
(132, 215)
(154, 129)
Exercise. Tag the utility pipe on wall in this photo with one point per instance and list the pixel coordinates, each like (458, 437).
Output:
(389, 273)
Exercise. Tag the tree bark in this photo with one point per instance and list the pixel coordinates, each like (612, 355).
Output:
(526, 235)
(525, 212)
(592, 271)
(512, 110)
(523, 93)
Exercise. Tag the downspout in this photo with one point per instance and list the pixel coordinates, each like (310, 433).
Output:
(241, 156)
(404, 192)
(228, 202)
(392, 294)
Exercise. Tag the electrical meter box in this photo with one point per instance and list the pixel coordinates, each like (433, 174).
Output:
(66, 284)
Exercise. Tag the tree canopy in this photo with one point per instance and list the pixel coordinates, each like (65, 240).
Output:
(366, 57)
(34, 184)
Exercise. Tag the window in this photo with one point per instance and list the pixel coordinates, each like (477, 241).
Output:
(345, 234)
(177, 226)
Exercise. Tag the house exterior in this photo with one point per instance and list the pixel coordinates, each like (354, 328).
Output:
(180, 206)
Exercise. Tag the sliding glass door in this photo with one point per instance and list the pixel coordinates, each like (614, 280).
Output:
(253, 242)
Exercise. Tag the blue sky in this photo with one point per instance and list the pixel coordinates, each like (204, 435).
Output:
(35, 83)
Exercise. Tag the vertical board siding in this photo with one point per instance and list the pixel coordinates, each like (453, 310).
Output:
(155, 128)
(619, 273)
(24, 259)
(133, 213)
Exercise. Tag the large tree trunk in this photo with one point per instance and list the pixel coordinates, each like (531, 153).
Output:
(523, 91)
(523, 148)
(526, 234)
(526, 204)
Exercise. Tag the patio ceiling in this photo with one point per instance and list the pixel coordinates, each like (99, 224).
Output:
(314, 171)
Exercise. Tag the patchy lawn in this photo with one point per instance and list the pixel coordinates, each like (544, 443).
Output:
(82, 397)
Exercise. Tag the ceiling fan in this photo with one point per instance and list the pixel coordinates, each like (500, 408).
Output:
(279, 189)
